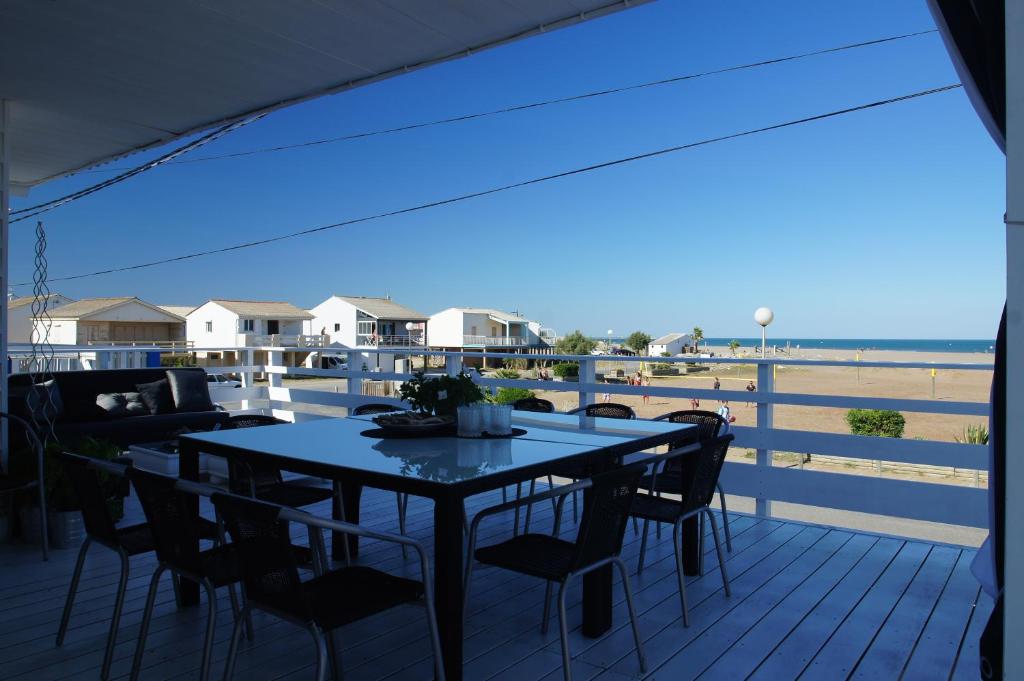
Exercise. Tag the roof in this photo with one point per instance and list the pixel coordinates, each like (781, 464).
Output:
(88, 82)
(180, 310)
(15, 303)
(261, 308)
(88, 307)
(491, 312)
(383, 308)
(669, 338)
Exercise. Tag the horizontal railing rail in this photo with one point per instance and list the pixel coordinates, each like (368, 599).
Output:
(496, 341)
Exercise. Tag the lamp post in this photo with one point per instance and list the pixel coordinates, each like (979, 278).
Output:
(763, 316)
(610, 339)
(409, 326)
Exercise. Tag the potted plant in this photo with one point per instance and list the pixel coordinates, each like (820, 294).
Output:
(566, 371)
(440, 396)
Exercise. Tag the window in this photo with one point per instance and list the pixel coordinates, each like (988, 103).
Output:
(337, 327)
(209, 327)
(494, 331)
(248, 325)
(366, 328)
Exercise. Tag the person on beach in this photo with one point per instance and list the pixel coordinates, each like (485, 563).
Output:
(751, 388)
(606, 397)
(725, 413)
(647, 384)
(718, 384)
(694, 403)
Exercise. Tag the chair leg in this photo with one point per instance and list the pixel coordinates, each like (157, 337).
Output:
(43, 520)
(700, 545)
(643, 548)
(115, 619)
(341, 506)
(564, 633)
(632, 614)
(575, 509)
(147, 615)
(636, 527)
(677, 543)
(551, 486)
(321, 652)
(401, 519)
(725, 518)
(515, 520)
(465, 587)
(547, 608)
(72, 590)
(658, 526)
(332, 656)
(236, 634)
(504, 495)
(718, 550)
(529, 507)
(211, 625)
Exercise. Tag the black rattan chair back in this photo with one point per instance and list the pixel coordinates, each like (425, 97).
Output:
(707, 466)
(609, 410)
(253, 421)
(605, 514)
(534, 404)
(92, 497)
(243, 477)
(167, 514)
(374, 408)
(265, 553)
(709, 424)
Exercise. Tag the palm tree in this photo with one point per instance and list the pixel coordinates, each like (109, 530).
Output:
(698, 336)
(733, 345)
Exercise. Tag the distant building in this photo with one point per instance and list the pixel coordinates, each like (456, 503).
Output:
(227, 325)
(113, 321)
(672, 343)
(180, 310)
(484, 329)
(365, 322)
(19, 315)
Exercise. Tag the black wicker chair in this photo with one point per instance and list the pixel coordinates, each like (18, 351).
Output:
(12, 484)
(535, 404)
(101, 529)
(166, 510)
(709, 426)
(538, 406)
(258, 480)
(608, 498)
(698, 476)
(323, 604)
(609, 410)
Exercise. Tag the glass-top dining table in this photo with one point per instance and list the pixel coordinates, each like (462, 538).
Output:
(446, 470)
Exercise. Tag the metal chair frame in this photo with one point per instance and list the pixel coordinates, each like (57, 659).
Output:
(37, 444)
(559, 494)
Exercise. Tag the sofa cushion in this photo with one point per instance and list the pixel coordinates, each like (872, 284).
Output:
(43, 402)
(190, 390)
(119, 405)
(157, 396)
(140, 429)
(84, 410)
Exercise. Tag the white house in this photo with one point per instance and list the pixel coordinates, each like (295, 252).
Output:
(116, 321)
(671, 343)
(232, 324)
(460, 328)
(19, 316)
(365, 322)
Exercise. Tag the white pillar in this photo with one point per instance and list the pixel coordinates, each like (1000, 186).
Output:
(588, 374)
(5, 189)
(765, 418)
(1013, 618)
(275, 358)
(244, 358)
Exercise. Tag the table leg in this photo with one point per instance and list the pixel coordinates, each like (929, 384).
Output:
(188, 469)
(448, 549)
(691, 546)
(345, 508)
(597, 602)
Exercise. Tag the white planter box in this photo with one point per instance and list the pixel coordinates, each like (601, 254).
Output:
(160, 458)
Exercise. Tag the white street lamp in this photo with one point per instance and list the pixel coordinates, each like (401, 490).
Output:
(763, 316)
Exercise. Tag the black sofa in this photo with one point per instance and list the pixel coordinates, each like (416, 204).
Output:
(82, 387)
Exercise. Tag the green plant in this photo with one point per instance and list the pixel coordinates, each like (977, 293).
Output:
(506, 373)
(60, 493)
(698, 336)
(638, 342)
(973, 435)
(666, 354)
(734, 346)
(876, 422)
(515, 364)
(575, 344)
(511, 395)
(442, 395)
(566, 369)
(661, 366)
(177, 361)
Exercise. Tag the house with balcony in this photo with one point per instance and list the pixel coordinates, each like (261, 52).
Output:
(224, 326)
(111, 321)
(367, 322)
(484, 330)
(19, 315)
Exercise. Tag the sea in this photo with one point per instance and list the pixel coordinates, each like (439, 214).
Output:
(910, 344)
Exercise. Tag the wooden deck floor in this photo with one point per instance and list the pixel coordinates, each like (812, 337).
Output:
(807, 602)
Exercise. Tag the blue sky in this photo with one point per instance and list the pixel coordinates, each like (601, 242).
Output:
(885, 223)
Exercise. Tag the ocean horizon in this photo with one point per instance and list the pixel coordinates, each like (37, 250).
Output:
(905, 344)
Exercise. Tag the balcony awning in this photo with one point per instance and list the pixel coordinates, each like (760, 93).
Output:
(89, 82)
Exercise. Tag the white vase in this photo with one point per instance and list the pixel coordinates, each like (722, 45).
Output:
(67, 529)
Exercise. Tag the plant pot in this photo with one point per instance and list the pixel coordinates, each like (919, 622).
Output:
(67, 529)
(31, 525)
(568, 379)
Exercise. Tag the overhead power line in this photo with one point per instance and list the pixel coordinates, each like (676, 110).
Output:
(26, 213)
(515, 185)
(538, 104)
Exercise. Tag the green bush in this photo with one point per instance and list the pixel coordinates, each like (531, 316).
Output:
(877, 422)
(973, 435)
(566, 370)
(506, 373)
(638, 342)
(511, 395)
(575, 344)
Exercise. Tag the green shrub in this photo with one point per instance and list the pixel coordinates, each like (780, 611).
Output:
(575, 344)
(877, 422)
(566, 369)
(973, 435)
(638, 342)
(511, 395)
(506, 373)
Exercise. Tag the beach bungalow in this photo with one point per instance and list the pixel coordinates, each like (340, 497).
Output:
(247, 323)
(367, 322)
(670, 343)
(112, 321)
(19, 315)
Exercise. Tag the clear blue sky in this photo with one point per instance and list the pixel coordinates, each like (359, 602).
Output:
(885, 223)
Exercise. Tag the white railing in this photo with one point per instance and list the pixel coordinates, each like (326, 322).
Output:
(278, 340)
(169, 344)
(759, 479)
(494, 341)
(390, 341)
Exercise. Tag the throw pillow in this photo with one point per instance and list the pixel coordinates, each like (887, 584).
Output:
(114, 404)
(134, 405)
(43, 402)
(190, 390)
(157, 396)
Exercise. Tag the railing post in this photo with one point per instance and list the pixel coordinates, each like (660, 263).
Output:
(354, 386)
(588, 374)
(275, 358)
(246, 376)
(765, 413)
(452, 364)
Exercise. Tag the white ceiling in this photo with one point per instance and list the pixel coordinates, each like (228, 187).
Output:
(92, 80)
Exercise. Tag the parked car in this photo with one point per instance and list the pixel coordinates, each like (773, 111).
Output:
(335, 363)
(223, 381)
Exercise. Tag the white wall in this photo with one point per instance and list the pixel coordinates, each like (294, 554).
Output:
(62, 331)
(225, 326)
(335, 311)
(676, 347)
(445, 329)
(19, 320)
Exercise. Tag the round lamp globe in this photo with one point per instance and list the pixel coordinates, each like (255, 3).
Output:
(409, 326)
(764, 316)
